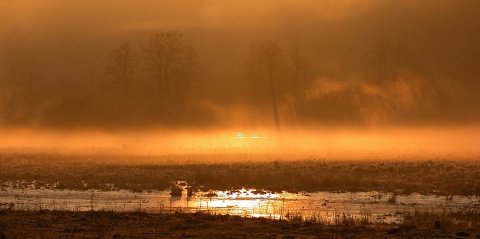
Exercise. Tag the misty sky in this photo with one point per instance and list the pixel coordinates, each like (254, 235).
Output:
(70, 42)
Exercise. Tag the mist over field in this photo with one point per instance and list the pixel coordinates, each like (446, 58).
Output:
(385, 143)
(324, 78)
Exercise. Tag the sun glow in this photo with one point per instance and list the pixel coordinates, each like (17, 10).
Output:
(321, 142)
(241, 135)
(252, 202)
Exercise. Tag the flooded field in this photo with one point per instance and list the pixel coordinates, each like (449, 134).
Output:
(326, 207)
(366, 193)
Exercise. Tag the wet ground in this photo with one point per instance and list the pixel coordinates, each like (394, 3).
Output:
(324, 207)
(62, 224)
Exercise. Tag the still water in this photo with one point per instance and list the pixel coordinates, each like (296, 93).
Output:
(326, 207)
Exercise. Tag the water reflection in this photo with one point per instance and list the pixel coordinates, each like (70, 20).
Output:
(327, 207)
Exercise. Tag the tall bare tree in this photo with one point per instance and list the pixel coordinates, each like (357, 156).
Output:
(301, 71)
(398, 93)
(21, 88)
(192, 74)
(173, 67)
(264, 60)
(163, 54)
(122, 68)
(386, 60)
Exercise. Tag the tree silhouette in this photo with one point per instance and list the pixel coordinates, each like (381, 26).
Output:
(162, 55)
(21, 84)
(173, 67)
(386, 60)
(264, 61)
(192, 74)
(399, 92)
(301, 69)
(122, 68)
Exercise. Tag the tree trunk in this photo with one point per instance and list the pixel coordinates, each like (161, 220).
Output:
(272, 94)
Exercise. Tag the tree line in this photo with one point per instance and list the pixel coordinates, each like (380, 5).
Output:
(161, 81)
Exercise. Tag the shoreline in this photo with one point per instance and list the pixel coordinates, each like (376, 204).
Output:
(106, 224)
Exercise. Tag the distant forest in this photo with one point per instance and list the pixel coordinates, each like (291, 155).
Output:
(162, 82)
(367, 68)
(241, 64)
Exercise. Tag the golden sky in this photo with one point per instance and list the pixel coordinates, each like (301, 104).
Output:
(70, 42)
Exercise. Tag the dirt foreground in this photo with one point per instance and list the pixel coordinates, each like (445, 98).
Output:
(64, 224)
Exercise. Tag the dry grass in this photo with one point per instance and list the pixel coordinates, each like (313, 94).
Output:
(103, 224)
(137, 173)
(53, 224)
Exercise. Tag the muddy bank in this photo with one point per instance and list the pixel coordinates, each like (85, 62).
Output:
(63, 224)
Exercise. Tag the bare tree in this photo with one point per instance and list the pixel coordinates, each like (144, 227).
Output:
(21, 86)
(398, 95)
(173, 67)
(122, 68)
(301, 70)
(386, 60)
(264, 60)
(163, 54)
(192, 74)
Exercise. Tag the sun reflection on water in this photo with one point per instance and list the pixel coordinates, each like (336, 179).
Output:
(247, 194)
(327, 207)
(247, 202)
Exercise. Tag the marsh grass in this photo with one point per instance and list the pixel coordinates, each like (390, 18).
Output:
(217, 172)
(449, 220)
(439, 176)
(107, 224)
(392, 199)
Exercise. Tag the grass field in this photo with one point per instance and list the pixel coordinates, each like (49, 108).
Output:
(442, 176)
(61, 224)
